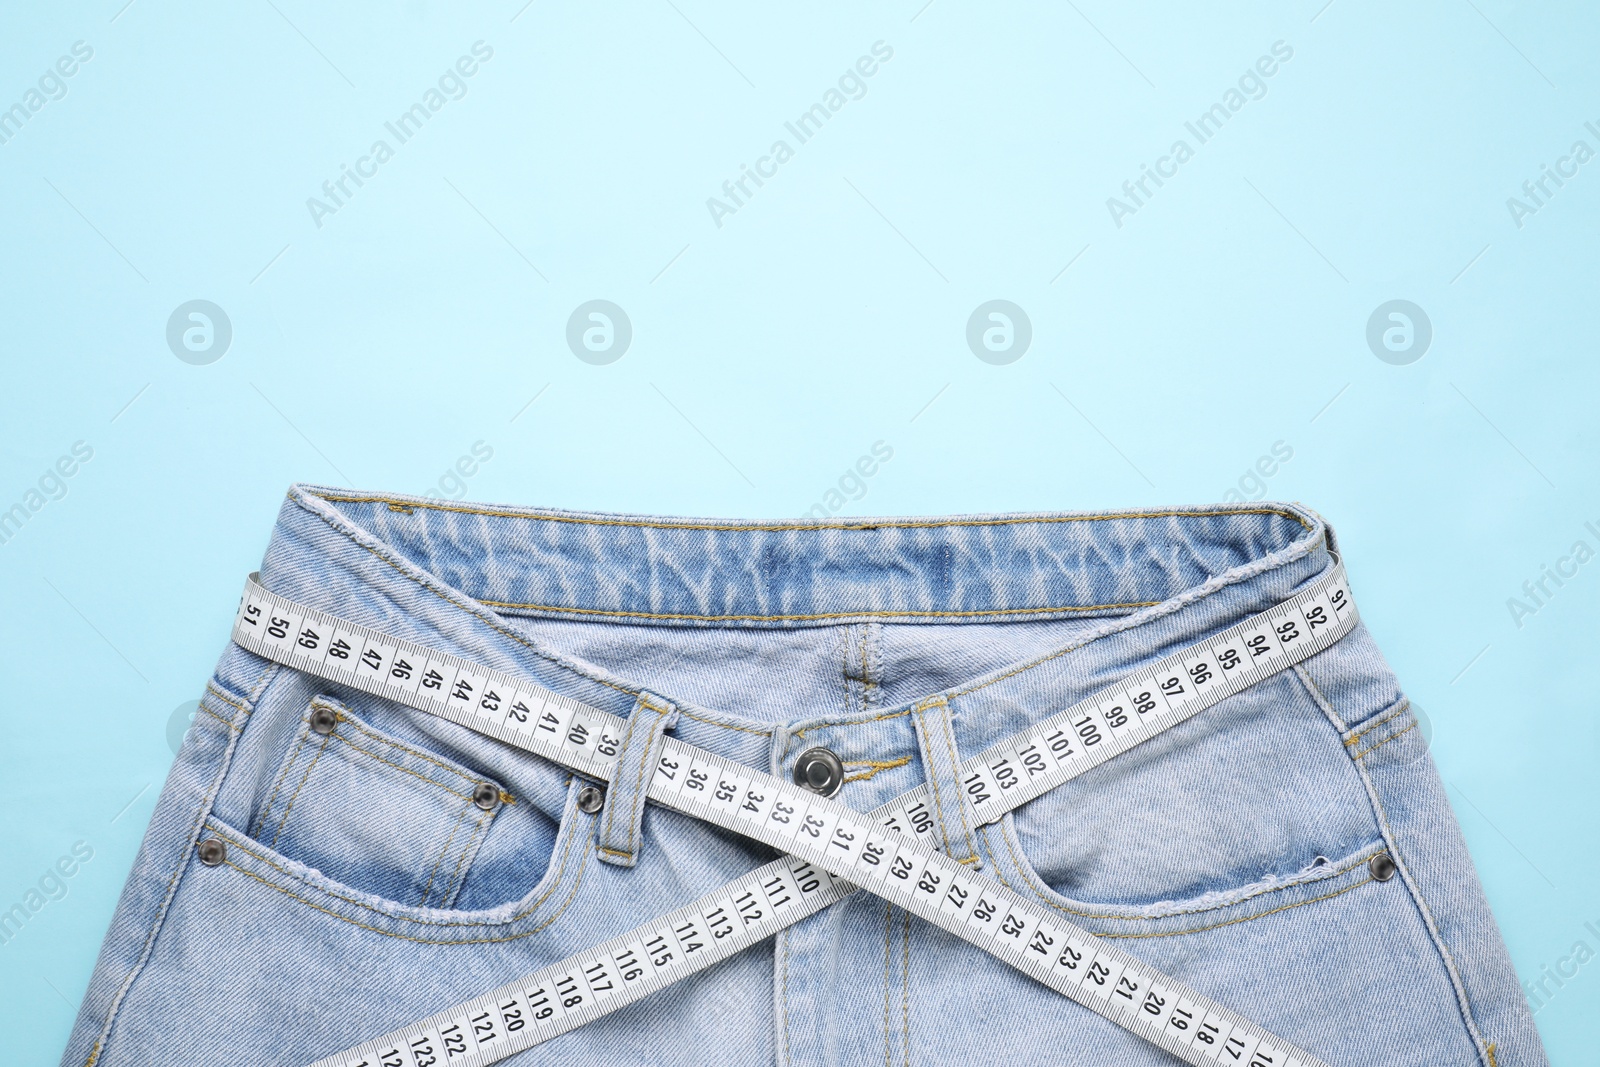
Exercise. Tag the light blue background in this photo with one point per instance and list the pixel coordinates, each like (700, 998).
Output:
(1228, 314)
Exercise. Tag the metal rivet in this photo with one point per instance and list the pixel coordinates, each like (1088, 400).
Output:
(212, 852)
(819, 770)
(323, 720)
(590, 799)
(486, 796)
(1381, 866)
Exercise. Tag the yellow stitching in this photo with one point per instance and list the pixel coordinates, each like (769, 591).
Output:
(1241, 919)
(623, 689)
(566, 850)
(178, 869)
(295, 795)
(226, 699)
(726, 725)
(422, 940)
(815, 617)
(888, 932)
(442, 852)
(855, 722)
(615, 852)
(875, 765)
(652, 705)
(611, 811)
(407, 770)
(1462, 1000)
(214, 715)
(957, 693)
(867, 684)
(1490, 1050)
(453, 886)
(844, 668)
(636, 801)
(346, 716)
(1404, 704)
(181, 866)
(933, 779)
(635, 815)
(404, 509)
(261, 819)
(905, 994)
(785, 527)
(303, 780)
(1385, 741)
(518, 638)
(507, 798)
(1017, 863)
(961, 801)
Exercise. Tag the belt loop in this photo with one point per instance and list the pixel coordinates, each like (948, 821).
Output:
(620, 834)
(953, 818)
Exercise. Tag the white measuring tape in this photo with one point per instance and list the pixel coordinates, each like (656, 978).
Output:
(832, 849)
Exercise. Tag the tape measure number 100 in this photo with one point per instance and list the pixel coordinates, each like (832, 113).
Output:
(832, 850)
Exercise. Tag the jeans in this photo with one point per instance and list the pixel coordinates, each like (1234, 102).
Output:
(382, 864)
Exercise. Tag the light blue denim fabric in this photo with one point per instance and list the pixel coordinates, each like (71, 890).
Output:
(364, 889)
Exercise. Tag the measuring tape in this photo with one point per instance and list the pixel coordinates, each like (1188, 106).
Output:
(832, 849)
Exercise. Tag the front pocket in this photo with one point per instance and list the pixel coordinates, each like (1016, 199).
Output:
(1323, 880)
(1253, 791)
(374, 813)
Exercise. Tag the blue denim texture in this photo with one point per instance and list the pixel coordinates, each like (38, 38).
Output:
(363, 889)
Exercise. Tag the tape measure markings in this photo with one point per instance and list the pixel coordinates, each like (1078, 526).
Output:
(931, 885)
(586, 739)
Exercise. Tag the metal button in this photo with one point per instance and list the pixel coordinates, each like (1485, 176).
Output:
(1381, 866)
(819, 770)
(590, 799)
(486, 796)
(323, 720)
(212, 852)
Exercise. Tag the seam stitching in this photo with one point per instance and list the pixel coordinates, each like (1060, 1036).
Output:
(636, 799)
(1385, 741)
(1353, 739)
(1242, 918)
(495, 626)
(961, 800)
(611, 812)
(888, 933)
(443, 852)
(207, 799)
(452, 888)
(346, 715)
(349, 536)
(423, 940)
(874, 766)
(283, 773)
(560, 871)
(1463, 1003)
(400, 767)
(304, 778)
(226, 699)
(905, 994)
(816, 616)
(789, 527)
(1018, 865)
(933, 778)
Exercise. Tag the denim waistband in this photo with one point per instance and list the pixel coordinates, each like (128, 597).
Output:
(456, 576)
